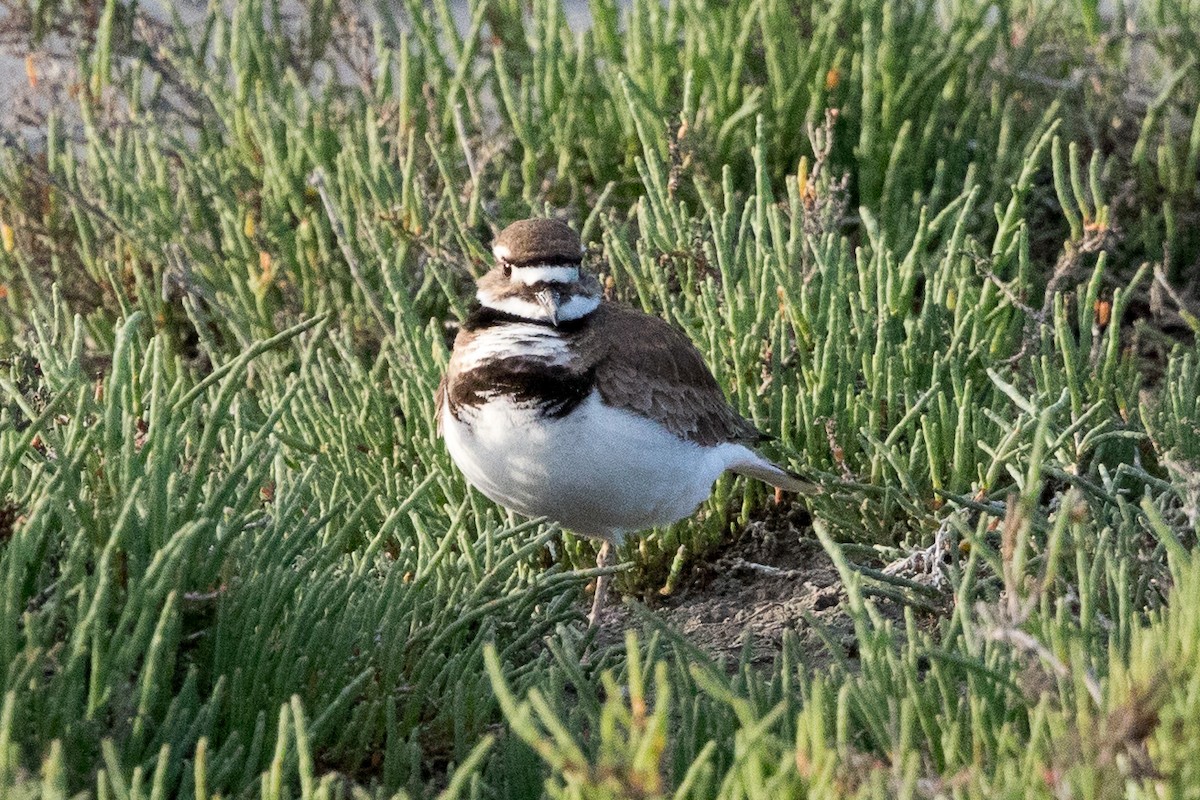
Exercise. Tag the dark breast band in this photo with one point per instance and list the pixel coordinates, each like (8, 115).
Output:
(552, 389)
(481, 317)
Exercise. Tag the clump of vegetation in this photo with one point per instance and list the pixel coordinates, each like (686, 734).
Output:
(942, 252)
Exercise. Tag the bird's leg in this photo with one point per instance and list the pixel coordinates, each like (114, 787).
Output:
(602, 559)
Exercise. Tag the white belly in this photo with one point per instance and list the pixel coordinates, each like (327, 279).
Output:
(598, 471)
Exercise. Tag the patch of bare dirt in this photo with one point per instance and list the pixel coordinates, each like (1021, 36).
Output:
(773, 578)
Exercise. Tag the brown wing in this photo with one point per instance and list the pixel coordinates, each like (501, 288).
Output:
(649, 367)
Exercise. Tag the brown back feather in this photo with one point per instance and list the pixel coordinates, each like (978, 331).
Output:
(649, 367)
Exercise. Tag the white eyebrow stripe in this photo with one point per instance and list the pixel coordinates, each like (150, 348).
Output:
(544, 273)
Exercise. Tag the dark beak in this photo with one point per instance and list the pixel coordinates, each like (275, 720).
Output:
(549, 304)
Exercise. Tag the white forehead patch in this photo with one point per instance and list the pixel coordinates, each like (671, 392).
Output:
(501, 252)
(543, 273)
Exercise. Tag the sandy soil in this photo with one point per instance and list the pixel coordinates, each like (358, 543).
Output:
(773, 578)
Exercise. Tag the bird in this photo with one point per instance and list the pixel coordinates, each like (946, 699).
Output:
(559, 403)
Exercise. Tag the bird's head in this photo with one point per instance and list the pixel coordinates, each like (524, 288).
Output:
(537, 274)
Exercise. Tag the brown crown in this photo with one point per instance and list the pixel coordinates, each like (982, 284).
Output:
(538, 241)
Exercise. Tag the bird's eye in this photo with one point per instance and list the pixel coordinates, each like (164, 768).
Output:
(508, 270)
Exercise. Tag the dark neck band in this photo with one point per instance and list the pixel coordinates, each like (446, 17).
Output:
(481, 317)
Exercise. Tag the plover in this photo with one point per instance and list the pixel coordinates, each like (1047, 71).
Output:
(560, 404)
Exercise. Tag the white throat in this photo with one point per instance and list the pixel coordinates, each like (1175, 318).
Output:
(526, 308)
(578, 306)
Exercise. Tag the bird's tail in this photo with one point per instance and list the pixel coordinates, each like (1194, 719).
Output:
(768, 472)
